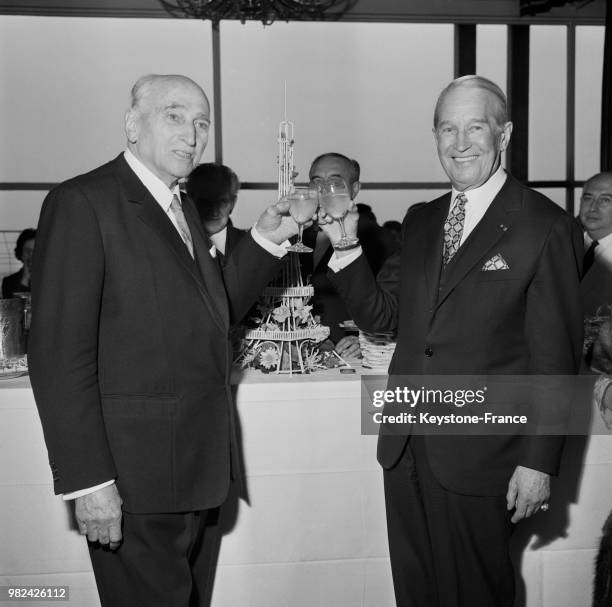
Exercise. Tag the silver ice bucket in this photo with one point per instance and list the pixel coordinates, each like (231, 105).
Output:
(12, 341)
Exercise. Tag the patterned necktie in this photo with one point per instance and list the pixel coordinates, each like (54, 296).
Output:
(589, 257)
(177, 211)
(453, 228)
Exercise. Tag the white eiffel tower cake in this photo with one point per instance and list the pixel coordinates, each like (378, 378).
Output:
(286, 334)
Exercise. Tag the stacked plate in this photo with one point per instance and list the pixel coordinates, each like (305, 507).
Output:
(377, 350)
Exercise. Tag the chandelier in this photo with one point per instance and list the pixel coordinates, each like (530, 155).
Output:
(533, 7)
(265, 11)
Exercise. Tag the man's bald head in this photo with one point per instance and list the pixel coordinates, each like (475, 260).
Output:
(332, 165)
(167, 125)
(147, 87)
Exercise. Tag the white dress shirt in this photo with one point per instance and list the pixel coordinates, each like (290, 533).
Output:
(219, 240)
(603, 251)
(479, 200)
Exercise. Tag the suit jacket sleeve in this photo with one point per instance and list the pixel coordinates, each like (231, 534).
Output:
(372, 302)
(553, 326)
(248, 270)
(67, 281)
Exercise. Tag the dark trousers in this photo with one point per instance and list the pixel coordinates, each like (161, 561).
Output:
(165, 560)
(447, 550)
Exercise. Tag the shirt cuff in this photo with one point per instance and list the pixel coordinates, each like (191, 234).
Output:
(336, 263)
(81, 492)
(278, 250)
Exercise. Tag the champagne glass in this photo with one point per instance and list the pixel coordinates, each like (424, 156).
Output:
(336, 201)
(303, 203)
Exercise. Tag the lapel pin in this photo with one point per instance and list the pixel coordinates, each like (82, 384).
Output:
(503, 227)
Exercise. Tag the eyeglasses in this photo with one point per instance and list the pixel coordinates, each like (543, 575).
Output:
(319, 183)
(603, 201)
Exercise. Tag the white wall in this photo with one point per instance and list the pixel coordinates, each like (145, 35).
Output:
(361, 89)
(66, 83)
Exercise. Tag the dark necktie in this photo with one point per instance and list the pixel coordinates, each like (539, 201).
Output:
(589, 257)
(322, 244)
(220, 259)
(453, 228)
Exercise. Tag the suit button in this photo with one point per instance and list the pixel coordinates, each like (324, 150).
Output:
(428, 352)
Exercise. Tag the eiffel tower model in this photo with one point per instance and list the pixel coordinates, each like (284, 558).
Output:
(286, 336)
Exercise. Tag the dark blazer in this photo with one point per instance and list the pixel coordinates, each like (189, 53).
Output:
(523, 320)
(11, 284)
(327, 303)
(596, 287)
(233, 237)
(596, 294)
(129, 354)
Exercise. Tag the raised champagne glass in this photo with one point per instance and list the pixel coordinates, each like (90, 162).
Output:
(303, 204)
(335, 200)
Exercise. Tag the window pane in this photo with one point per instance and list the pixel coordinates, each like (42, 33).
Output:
(20, 210)
(547, 102)
(64, 100)
(250, 205)
(365, 90)
(557, 195)
(589, 66)
(393, 204)
(492, 53)
(577, 195)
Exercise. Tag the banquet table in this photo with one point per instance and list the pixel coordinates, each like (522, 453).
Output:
(313, 533)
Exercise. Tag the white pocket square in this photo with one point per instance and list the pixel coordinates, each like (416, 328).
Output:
(497, 262)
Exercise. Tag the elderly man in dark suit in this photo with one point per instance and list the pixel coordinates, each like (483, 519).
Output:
(486, 282)
(130, 363)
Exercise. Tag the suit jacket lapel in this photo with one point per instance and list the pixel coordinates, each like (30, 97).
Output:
(433, 235)
(152, 214)
(209, 268)
(495, 223)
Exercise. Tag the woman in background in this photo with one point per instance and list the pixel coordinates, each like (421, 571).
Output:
(20, 281)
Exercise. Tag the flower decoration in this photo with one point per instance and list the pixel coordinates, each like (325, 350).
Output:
(268, 358)
(302, 313)
(281, 313)
(249, 356)
(312, 361)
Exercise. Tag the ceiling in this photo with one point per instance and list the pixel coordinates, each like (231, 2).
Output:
(455, 11)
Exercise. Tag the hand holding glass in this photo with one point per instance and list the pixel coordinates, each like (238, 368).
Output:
(303, 203)
(336, 202)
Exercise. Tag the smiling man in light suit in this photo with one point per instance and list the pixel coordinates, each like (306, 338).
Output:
(129, 352)
(487, 283)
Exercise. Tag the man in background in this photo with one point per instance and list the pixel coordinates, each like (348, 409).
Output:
(130, 362)
(596, 219)
(214, 189)
(327, 303)
(487, 283)
(596, 286)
